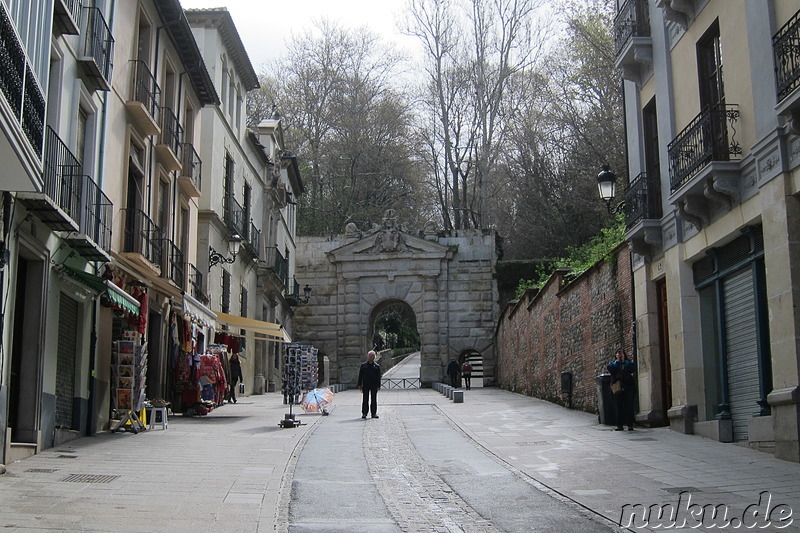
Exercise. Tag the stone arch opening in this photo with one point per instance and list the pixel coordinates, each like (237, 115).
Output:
(393, 325)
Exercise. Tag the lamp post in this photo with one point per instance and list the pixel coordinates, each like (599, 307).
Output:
(214, 257)
(607, 187)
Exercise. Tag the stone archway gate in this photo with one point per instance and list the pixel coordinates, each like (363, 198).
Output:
(447, 280)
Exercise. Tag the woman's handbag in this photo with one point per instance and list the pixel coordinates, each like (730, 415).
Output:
(616, 387)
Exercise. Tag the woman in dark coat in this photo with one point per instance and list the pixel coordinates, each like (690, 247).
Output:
(236, 375)
(622, 370)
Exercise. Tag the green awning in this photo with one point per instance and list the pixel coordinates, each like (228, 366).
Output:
(120, 298)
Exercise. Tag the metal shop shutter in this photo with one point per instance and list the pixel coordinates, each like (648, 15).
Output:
(65, 366)
(742, 349)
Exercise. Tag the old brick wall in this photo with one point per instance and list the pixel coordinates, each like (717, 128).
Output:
(567, 326)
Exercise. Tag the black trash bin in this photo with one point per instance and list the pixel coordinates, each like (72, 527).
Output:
(605, 401)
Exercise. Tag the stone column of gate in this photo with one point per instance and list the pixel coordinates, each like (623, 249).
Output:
(429, 328)
(350, 318)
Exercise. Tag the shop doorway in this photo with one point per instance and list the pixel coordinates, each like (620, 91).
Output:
(154, 385)
(665, 373)
(25, 380)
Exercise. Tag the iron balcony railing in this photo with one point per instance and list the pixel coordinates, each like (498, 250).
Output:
(197, 284)
(632, 20)
(171, 132)
(97, 41)
(711, 136)
(96, 211)
(786, 51)
(233, 215)
(145, 89)
(66, 14)
(192, 165)
(292, 290)
(253, 241)
(172, 266)
(62, 172)
(19, 86)
(142, 236)
(643, 199)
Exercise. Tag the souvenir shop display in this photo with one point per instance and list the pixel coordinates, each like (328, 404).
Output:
(128, 376)
(300, 372)
(209, 381)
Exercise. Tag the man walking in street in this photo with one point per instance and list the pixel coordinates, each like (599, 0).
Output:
(369, 381)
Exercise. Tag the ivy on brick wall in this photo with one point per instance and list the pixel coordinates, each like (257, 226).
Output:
(578, 259)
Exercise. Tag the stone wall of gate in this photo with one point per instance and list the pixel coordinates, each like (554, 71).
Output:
(567, 326)
(446, 279)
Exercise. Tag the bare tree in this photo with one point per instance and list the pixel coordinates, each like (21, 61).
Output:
(473, 49)
(350, 125)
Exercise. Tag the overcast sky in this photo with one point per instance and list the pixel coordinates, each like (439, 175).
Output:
(265, 26)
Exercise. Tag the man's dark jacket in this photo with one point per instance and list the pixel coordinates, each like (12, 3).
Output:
(369, 375)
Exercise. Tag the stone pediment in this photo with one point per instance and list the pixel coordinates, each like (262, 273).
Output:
(389, 245)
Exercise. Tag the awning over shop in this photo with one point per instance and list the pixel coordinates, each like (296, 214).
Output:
(100, 286)
(263, 330)
(198, 313)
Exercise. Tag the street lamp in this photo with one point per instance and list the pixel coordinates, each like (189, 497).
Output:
(607, 185)
(306, 293)
(214, 257)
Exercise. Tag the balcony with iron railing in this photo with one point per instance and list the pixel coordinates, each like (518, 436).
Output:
(252, 243)
(66, 16)
(24, 96)
(170, 142)
(786, 54)
(643, 211)
(142, 239)
(143, 107)
(632, 39)
(703, 163)
(189, 176)
(96, 50)
(197, 284)
(58, 205)
(292, 292)
(642, 199)
(93, 238)
(19, 85)
(172, 265)
(274, 272)
(233, 216)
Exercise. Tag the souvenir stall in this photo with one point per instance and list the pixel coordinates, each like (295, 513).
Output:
(189, 333)
(300, 372)
(129, 350)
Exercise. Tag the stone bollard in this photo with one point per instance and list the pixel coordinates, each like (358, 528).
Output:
(450, 391)
(458, 396)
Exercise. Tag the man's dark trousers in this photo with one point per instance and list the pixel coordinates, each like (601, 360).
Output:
(370, 401)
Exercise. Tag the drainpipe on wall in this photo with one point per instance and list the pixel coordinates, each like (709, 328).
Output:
(91, 417)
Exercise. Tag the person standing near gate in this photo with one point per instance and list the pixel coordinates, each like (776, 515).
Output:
(466, 372)
(369, 381)
(452, 371)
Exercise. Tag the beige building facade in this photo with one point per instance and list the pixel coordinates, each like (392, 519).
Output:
(711, 205)
(122, 123)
